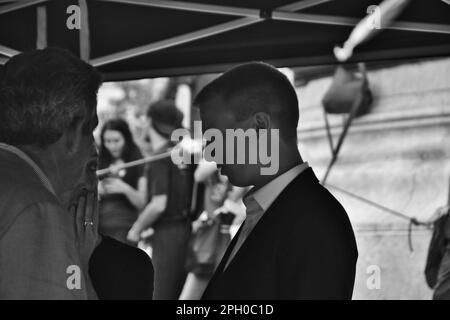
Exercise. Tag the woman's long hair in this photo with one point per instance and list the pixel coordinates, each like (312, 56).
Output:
(130, 150)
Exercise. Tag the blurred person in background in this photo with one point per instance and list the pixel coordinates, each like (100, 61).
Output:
(169, 196)
(437, 269)
(223, 212)
(118, 270)
(442, 288)
(205, 229)
(122, 194)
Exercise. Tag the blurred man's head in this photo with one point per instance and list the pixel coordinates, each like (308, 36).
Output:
(250, 96)
(48, 103)
(163, 118)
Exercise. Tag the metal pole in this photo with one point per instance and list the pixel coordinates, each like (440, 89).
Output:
(19, 5)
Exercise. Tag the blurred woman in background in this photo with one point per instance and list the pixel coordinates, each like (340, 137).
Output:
(122, 194)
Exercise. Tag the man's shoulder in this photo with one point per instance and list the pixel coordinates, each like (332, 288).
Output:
(19, 181)
(304, 194)
(24, 197)
(308, 208)
(22, 193)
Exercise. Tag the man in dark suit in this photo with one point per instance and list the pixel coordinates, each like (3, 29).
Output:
(297, 241)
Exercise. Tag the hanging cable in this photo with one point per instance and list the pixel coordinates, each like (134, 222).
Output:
(412, 221)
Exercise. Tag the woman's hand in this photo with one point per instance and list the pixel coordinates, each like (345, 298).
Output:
(196, 225)
(115, 185)
(134, 235)
(86, 222)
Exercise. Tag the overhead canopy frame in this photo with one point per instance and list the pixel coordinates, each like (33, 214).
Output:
(130, 39)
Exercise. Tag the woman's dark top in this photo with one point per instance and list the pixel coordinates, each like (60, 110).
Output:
(164, 177)
(117, 214)
(119, 271)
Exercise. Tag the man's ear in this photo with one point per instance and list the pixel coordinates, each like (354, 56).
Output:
(261, 120)
(74, 134)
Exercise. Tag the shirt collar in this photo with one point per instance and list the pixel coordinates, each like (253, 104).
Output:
(267, 194)
(22, 155)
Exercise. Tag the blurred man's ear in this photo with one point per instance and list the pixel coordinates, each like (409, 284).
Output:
(261, 120)
(74, 134)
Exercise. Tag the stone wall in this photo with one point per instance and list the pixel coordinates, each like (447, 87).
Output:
(398, 156)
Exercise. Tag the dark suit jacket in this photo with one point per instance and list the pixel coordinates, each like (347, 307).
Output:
(121, 272)
(303, 247)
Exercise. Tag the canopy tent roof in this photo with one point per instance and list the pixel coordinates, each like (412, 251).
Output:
(130, 39)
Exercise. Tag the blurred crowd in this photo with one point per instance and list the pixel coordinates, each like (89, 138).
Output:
(183, 216)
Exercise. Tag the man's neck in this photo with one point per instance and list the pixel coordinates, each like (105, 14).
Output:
(288, 159)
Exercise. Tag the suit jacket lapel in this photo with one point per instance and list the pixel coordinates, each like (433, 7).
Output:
(227, 254)
(305, 177)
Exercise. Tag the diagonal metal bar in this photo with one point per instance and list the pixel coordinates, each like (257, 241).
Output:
(348, 21)
(19, 5)
(163, 44)
(189, 37)
(8, 51)
(300, 5)
(196, 7)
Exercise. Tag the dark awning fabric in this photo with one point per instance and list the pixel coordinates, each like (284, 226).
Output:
(115, 27)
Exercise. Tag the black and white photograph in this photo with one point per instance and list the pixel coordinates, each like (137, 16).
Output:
(214, 151)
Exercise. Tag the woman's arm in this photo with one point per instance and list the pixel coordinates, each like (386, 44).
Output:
(136, 197)
(151, 213)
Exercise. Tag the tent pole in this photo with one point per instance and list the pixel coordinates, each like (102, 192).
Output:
(218, 9)
(41, 17)
(19, 5)
(85, 45)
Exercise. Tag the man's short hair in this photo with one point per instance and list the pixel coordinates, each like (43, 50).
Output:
(255, 87)
(42, 92)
